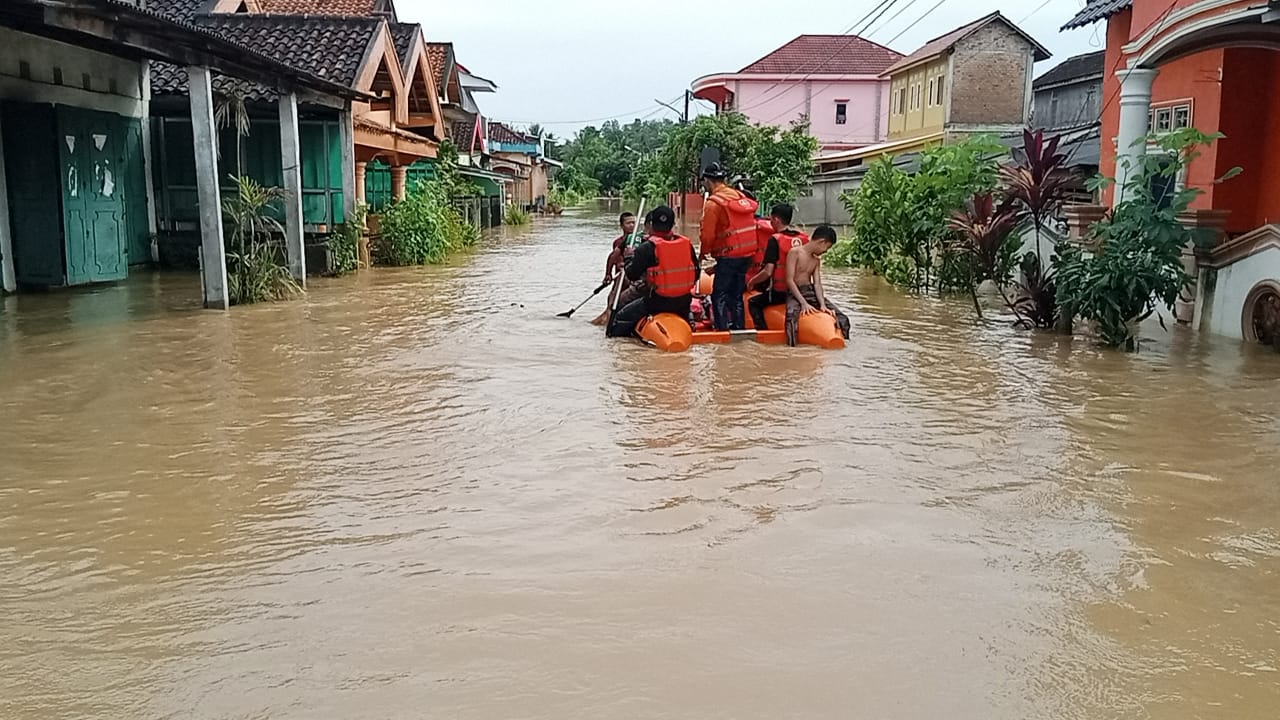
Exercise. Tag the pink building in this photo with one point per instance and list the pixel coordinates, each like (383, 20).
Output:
(834, 80)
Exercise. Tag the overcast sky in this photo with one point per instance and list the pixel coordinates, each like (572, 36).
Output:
(559, 62)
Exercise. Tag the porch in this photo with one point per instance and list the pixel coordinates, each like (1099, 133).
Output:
(77, 201)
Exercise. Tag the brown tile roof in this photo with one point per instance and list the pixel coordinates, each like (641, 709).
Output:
(463, 133)
(826, 54)
(939, 45)
(319, 7)
(438, 55)
(501, 133)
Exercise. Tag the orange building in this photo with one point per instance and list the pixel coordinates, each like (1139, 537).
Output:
(1212, 65)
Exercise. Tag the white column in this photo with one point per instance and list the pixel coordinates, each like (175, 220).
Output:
(7, 275)
(1135, 107)
(291, 162)
(350, 196)
(213, 255)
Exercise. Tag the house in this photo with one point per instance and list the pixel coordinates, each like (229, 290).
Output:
(76, 150)
(1069, 95)
(523, 158)
(833, 81)
(364, 49)
(1212, 65)
(975, 79)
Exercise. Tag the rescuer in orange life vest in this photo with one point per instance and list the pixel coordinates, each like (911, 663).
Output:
(669, 266)
(771, 280)
(728, 234)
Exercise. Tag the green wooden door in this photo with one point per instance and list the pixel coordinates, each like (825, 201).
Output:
(31, 166)
(95, 232)
(133, 172)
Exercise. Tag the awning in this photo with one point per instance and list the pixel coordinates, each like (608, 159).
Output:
(885, 148)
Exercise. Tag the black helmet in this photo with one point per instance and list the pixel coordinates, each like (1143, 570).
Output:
(714, 172)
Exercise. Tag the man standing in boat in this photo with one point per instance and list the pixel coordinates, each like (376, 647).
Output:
(728, 234)
(772, 277)
(668, 264)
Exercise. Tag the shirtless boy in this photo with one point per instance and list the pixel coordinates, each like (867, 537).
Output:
(804, 281)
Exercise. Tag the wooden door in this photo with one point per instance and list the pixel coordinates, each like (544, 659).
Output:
(35, 215)
(90, 147)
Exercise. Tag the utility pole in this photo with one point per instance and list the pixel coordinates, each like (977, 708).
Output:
(684, 119)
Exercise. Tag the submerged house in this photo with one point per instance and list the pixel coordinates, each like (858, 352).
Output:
(1213, 65)
(522, 158)
(77, 169)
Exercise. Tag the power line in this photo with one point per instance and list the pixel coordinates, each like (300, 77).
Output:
(620, 116)
(898, 14)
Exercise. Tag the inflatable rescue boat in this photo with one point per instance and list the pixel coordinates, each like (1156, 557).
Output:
(672, 333)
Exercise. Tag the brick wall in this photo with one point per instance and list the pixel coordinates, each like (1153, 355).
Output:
(989, 84)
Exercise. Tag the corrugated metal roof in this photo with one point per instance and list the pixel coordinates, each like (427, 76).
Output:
(1089, 65)
(1097, 10)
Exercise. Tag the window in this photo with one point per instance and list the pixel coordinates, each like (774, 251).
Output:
(933, 88)
(842, 116)
(1168, 118)
(941, 78)
(900, 101)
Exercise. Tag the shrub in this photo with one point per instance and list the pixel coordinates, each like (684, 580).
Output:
(254, 273)
(344, 245)
(1136, 260)
(423, 228)
(515, 215)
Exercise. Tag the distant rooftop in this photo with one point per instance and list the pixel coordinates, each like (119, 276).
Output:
(1097, 10)
(1080, 67)
(825, 55)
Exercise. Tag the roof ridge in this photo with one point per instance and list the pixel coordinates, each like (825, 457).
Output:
(982, 20)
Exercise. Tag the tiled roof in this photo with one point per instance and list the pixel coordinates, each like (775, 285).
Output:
(331, 47)
(404, 34)
(463, 133)
(438, 57)
(1097, 10)
(503, 134)
(182, 10)
(826, 54)
(1089, 65)
(939, 45)
(319, 7)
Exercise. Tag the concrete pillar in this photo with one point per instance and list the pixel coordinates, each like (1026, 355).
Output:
(291, 162)
(1080, 218)
(1213, 225)
(213, 256)
(399, 177)
(8, 279)
(361, 169)
(352, 189)
(148, 161)
(1135, 107)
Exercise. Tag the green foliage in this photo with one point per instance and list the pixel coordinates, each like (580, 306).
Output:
(602, 160)
(681, 155)
(780, 162)
(344, 244)
(900, 220)
(254, 273)
(449, 173)
(515, 215)
(422, 228)
(1136, 260)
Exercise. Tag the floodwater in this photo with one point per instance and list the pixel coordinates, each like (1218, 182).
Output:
(418, 494)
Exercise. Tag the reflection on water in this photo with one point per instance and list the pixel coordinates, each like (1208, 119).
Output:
(417, 493)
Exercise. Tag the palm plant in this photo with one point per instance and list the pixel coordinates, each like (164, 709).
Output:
(983, 229)
(231, 111)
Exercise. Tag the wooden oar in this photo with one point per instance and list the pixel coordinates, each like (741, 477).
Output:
(598, 290)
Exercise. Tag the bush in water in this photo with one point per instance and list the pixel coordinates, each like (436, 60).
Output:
(423, 228)
(254, 273)
(344, 245)
(515, 215)
(1135, 263)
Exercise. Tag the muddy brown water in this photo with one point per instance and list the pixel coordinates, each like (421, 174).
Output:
(416, 493)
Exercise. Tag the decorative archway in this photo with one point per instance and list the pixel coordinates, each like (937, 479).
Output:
(1260, 318)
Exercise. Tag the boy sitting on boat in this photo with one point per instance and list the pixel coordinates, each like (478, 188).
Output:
(804, 282)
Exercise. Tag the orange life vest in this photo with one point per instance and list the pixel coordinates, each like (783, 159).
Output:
(764, 231)
(786, 243)
(675, 274)
(739, 239)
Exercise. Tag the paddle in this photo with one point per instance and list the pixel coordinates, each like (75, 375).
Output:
(598, 290)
